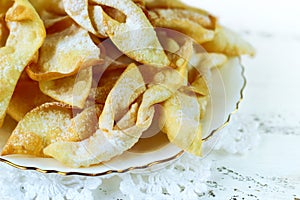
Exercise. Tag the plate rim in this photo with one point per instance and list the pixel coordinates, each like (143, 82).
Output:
(130, 169)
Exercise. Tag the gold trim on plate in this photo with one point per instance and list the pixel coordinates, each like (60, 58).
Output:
(143, 166)
(237, 105)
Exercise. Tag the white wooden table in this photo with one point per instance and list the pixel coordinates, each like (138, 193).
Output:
(271, 98)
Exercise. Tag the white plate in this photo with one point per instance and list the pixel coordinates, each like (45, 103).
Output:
(228, 83)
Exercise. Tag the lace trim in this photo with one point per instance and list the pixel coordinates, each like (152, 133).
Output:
(189, 177)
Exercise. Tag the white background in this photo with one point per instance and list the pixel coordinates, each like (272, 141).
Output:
(273, 77)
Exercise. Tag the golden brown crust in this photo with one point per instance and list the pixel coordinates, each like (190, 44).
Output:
(27, 96)
(26, 35)
(95, 120)
(229, 43)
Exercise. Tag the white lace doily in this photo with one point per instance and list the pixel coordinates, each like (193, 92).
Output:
(189, 177)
